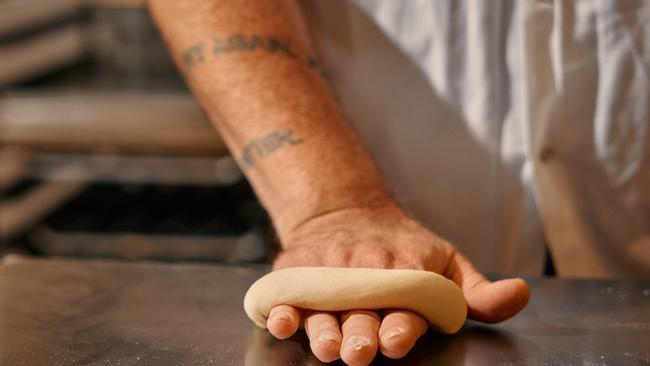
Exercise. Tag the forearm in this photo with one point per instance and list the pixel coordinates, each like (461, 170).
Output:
(252, 66)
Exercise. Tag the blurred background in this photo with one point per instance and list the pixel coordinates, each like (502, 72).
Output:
(103, 152)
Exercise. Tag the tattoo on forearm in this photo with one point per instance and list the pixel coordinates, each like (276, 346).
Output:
(266, 145)
(200, 52)
(194, 55)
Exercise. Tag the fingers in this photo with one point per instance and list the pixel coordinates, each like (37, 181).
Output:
(360, 329)
(487, 301)
(324, 335)
(493, 302)
(399, 331)
(283, 321)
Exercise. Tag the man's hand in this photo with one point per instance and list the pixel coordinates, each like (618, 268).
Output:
(253, 68)
(381, 238)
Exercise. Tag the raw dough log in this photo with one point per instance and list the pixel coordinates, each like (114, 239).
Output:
(429, 294)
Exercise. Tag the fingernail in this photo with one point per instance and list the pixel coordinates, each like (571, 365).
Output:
(281, 315)
(357, 343)
(392, 333)
(328, 336)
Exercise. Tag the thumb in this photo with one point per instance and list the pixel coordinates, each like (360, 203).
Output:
(490, 302)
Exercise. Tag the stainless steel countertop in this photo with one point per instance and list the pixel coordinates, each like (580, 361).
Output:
(65, 312)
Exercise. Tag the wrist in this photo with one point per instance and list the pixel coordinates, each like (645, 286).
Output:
(333, 208)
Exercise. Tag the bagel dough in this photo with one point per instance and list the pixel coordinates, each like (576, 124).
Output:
(431, 295)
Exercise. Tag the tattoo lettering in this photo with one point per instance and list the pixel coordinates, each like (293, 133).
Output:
(194, 55)
(312, 62)
(266, 145)
(199, 53)
(240, 42)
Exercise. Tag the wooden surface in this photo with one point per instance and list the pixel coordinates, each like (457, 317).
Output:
(18, 15)
(161, 124)
(20, 213)
(37, 55)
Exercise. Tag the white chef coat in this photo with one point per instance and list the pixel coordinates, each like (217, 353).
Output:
(505, 126)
